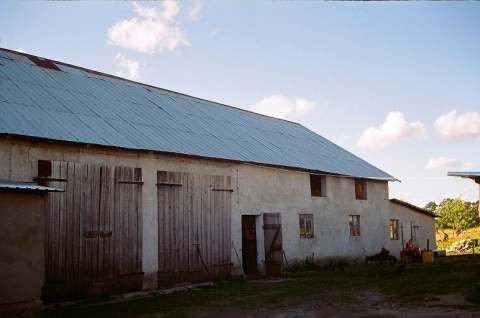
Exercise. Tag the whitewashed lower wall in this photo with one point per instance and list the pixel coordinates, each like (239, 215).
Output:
(264, 190)
(257, 190)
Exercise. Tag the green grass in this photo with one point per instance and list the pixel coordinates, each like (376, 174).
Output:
(454, 274)
(452, 238)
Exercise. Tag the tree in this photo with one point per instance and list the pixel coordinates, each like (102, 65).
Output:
(431, 206)
(457, 214)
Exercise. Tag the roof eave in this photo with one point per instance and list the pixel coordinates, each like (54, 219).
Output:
(20, 186)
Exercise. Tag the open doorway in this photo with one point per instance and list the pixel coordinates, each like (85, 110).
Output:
(249, 244)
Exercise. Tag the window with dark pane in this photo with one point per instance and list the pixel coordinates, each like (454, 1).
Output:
(360, 189)
(317, 185)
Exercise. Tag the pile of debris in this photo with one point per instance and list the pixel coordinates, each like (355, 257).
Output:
(463, 245)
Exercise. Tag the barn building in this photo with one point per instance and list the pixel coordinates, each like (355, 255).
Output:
(109, 186)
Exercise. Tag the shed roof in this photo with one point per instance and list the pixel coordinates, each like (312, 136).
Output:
(18, 186)
(58, 101)
(414, 207)
(474, 175)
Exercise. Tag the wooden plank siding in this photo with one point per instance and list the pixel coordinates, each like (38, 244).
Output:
(194, 220)
(93, 239)
(272, 228)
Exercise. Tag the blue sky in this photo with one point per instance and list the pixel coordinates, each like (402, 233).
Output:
(397, 84)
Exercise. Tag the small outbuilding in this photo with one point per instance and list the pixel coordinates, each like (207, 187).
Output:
(409, 222)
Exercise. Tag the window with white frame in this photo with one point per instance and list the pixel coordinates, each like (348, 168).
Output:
(306, 225)
(354, 223)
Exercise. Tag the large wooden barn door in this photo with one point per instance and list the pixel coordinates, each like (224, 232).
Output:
(93, 233)
(128, 230)
(272, 229)
(194, 215)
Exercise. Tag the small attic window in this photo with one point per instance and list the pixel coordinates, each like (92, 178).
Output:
(360, 189)
(317, 185)
(44, 63)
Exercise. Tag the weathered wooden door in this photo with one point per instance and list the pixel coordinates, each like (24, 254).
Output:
(194, 216)
(272, 230)
(93, 233)
(407, 233)
(249, 244)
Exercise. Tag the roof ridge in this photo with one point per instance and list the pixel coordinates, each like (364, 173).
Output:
(107, 110)
(88, 70)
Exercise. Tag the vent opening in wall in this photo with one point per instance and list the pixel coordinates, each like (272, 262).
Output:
(44, 168)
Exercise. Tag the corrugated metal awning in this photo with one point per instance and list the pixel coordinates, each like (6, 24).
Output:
(17, 186)
(474, 175)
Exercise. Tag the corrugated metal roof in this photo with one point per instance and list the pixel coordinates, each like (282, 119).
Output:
(466, 174)
(25, 186)
(475, 175)
(80, 105)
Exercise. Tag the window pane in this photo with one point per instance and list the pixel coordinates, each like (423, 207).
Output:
(394, 229)
(354, 221)
(302, 225)
(306, 225)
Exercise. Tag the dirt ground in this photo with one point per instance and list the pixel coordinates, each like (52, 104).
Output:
(339, 303)
(366, 304)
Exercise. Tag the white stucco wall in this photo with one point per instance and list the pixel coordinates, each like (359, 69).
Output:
(257, 190)
(423, 227)
(264, 190)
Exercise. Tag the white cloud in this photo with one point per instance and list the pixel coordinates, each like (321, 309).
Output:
(393, 129)
(194, 11)
(443, 163)
(132, 67)
(450, 127)
(21, 50)
(446, 163)
(150, 31)
(280, 106)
